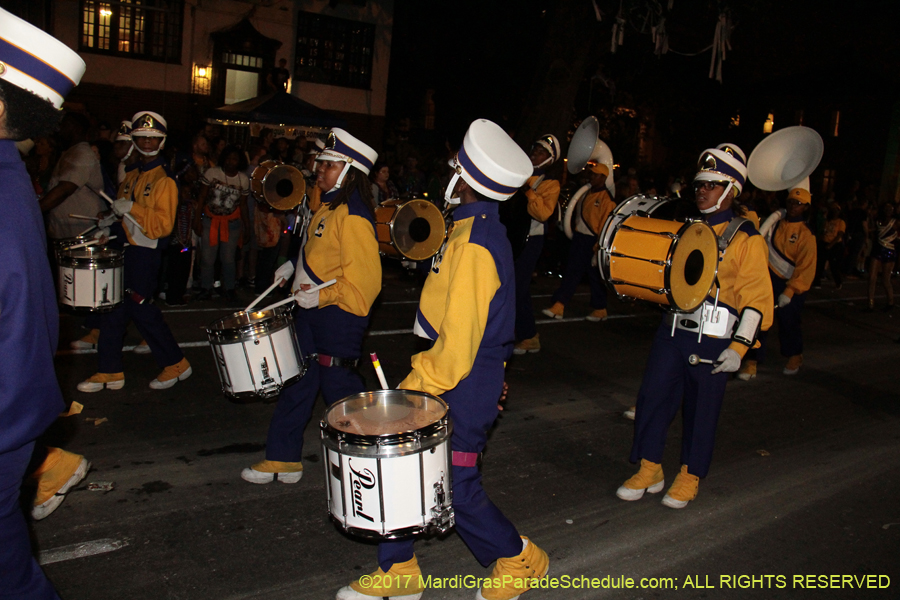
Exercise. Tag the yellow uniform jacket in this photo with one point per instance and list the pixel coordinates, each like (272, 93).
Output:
(595, 209)
(341, 245)
(542, 201)
(155, 195)
(743, 274)
(792, 255)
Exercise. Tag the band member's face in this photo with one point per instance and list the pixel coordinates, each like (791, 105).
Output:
(708, 193)
(147, 143)
(597, 180)
(795, 208)
(327, 173)
(538, 155)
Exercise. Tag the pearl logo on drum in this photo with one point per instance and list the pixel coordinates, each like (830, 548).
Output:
(359, 481)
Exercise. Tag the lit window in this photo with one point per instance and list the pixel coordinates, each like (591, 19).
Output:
(334, 51)
(769, 124)
(144, 29)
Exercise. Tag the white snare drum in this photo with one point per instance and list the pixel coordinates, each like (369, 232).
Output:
(64, 243)
(91, 278)
(256, 353)
(387, 464)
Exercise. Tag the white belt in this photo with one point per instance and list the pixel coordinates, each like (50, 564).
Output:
(718, 323)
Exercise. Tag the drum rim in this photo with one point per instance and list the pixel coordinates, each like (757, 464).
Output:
(281, 319)
(394, 250)
(670, 294)
(423, 435)
(94, 258)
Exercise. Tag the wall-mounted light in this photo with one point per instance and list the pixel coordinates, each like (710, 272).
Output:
(200, 79)
(769, 124)
(105, 12)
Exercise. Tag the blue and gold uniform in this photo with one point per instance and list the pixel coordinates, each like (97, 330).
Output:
(740, 304)
(42, 70)
(152, 189)
(466, 309)
(342, 246)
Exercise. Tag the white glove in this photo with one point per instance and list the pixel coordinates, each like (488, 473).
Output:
(307, 299)
(728, 362)
(284, 271)
(107, 221)
(101, 233)
(783, 300)
(122, 206)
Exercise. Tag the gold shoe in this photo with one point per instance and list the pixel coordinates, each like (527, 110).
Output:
(650, 479)
(599, 314)
(530, 345)
(268, 471)
(555, 311)
(793, 365)
(683, 490)
(172, 375)
(748, 371)
(513, 576)
(98, 381)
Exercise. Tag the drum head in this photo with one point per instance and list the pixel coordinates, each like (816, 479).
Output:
(418, 230)
(283, 187)
(91, 257)
(385, 413)
(695, 262)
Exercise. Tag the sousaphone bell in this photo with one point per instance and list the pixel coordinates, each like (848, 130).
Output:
(586, 146)
(281, 186)
(785, 158)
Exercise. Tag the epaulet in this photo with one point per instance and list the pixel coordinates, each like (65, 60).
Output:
(357, 208)
(749, 228)
(132, 166)
(735, 225)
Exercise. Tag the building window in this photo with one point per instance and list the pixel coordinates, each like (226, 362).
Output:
(143, 29)
(334, 51)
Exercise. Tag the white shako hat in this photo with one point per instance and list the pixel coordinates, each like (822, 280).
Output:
(491, 162)
(34, 60)
(726, 162)
(123, 134)
(148, 124)
(340, 146)
(549, 143)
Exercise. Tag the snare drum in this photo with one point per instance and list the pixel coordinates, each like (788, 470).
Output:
(412, 229)
(65, 243)
(387, 464)
(256, 353)
(91, 278)
(669, 262)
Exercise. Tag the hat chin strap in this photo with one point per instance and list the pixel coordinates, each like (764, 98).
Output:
(545, 163)
(721, 199)
(448, 193)
(340, 179)
(162, 145)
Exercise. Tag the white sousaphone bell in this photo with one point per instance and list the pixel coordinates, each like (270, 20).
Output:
(784, 160)
(586, 146)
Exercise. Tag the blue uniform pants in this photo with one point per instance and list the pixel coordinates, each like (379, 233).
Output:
(581, 252)
(328, 331)
(20, 575)
(670, 383)
(790, 332)
(141, 272)
(525, 265)
(485, 530)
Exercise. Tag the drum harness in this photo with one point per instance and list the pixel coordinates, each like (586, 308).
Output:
(717, 322)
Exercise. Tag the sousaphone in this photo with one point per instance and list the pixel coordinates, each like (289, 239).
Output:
(281, 186)
(586, 146)
(785, 158)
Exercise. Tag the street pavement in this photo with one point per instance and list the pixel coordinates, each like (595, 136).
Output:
(805, 480)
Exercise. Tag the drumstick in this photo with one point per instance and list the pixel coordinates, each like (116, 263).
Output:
(379, 370)
(695, 360)
(127, 215)
(264, 294)
(86, 230)
(293, 298)
(90, 243)
(83, 217)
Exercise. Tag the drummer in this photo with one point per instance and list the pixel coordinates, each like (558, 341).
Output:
(594, 210)
(745, 302)
(149, 195)
(341, 245)
(467, 310)
(542, 193)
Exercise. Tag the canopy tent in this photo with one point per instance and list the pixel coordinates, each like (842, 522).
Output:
(285, 113)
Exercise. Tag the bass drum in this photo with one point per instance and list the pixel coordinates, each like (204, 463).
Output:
(409, 229)
(645, 254)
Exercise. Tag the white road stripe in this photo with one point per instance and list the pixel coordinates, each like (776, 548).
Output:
(82, 550)
(408, 331)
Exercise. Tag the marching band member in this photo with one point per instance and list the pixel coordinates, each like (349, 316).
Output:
(792, 268)
(884, 254)
(542, 194)
(743, 303)
(36, 72)
(466, 308)
(595, 209)
(341, 245)
(150, 195)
